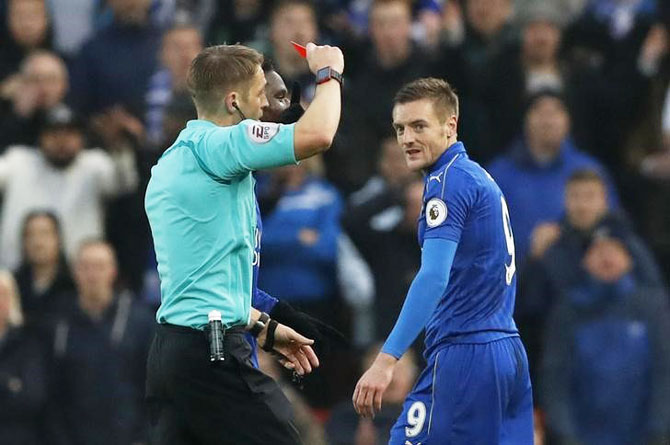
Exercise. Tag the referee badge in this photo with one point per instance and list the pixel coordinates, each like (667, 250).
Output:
(436, 212)
(261, 133)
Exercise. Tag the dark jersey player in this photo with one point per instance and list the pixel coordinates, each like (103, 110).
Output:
(476, 388)
(285, 109)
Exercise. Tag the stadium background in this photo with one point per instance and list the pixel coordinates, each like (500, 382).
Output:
(552, 91)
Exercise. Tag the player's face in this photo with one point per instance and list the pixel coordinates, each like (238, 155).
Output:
(422, 136)
(277, 95)
(253, 102)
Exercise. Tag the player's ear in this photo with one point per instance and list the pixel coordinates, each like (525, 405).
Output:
(451, 125)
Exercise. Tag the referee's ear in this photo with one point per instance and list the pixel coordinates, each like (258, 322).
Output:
(232, 102)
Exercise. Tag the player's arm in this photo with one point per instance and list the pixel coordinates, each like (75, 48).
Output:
(315, 130)
(424, 294)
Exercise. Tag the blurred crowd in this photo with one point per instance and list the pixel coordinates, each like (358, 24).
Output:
(565, 102)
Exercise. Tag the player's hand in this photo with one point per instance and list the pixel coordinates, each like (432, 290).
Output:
(370, 388)
(295, 350)
(322, 56)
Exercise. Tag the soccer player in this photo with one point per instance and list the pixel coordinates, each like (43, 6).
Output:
(475, 389)
(201, 208)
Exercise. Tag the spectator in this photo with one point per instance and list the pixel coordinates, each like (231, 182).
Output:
(556, 250)
(40, 86)
(293, 20)
(74, 22)
(181, 44)
(304, 221)
(534, 172)
(100, 350)
(43, 277)
(605, 50)
(606, 373)
(381, 221)
(388, 63)
(114, 66)
(63, 177)
(521, 70)
(28, 29)
(23, 373)
(238, 21)
(473, 39)
(345, 427)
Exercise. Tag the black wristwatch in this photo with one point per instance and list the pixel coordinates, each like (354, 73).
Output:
(327, 73)
(260, 324)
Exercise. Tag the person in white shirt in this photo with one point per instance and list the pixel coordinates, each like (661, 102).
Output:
(62, 177)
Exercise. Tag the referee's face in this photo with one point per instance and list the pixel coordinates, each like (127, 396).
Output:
(255, 100)
(422, 136)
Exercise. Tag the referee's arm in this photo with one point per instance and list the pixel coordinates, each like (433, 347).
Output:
(296, 350)
(315, 130)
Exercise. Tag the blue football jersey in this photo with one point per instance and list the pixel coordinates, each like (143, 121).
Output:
(462, 203)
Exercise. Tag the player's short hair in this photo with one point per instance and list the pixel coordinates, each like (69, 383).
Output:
(585, 175)
(439, 91)
(218, 69)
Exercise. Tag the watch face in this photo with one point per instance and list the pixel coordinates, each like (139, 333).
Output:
(322, 74)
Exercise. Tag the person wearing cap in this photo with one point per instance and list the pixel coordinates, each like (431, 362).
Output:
(62, 177)
(201, 208)
(606, 368)
(533, 173)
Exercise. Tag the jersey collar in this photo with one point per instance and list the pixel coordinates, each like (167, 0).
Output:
(450, 153)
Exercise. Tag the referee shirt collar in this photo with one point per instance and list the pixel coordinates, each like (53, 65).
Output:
(195, 123)
(449, 154)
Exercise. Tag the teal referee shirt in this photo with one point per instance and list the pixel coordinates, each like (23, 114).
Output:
(201, 208)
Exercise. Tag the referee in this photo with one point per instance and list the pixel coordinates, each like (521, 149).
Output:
(200, 205)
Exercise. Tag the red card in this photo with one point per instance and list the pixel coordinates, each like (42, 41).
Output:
(301, 49)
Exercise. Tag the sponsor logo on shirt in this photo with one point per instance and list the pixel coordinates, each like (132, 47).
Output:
(436, 212)
(261, 133)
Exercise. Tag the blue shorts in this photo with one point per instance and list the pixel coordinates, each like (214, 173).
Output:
(470, 394)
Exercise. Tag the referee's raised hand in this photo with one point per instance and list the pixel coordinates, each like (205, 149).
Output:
(321, 56)
(296, 350)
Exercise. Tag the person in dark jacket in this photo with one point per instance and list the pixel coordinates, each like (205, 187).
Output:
(606, 368)
(532, 175)
(554, 263)
(23, 372)
(102, 78)
(99, 355)
(381, 223)
(44, 280)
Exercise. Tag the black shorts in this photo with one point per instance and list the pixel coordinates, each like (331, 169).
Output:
(192, 401)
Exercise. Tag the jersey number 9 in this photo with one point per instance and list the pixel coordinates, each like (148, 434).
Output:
(509, 240)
